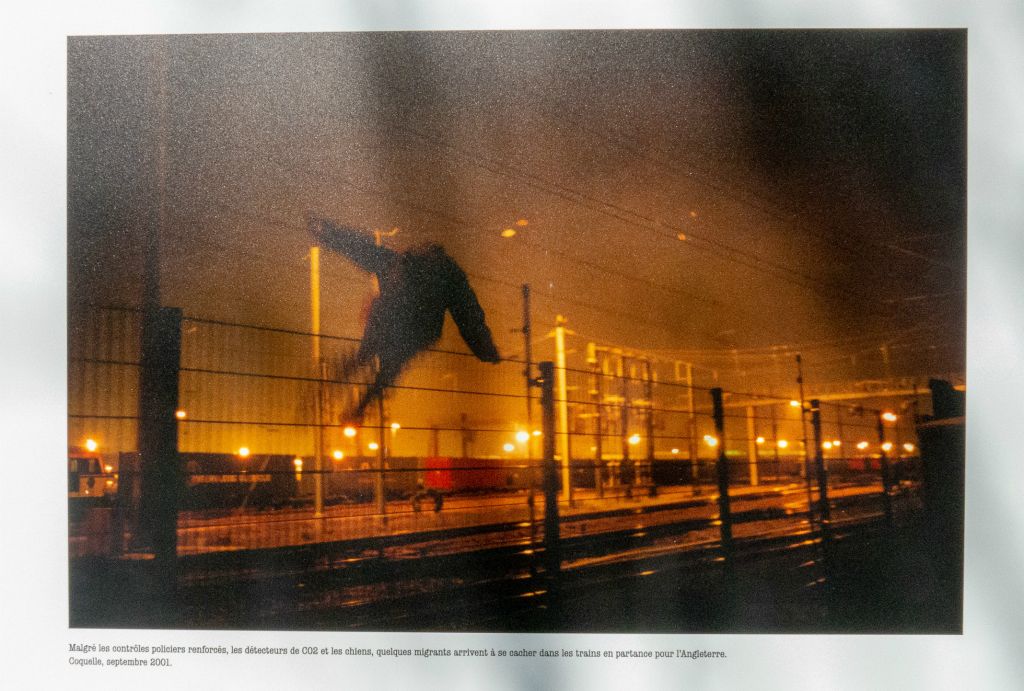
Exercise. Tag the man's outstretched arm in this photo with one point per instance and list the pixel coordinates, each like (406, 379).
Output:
(358, 246)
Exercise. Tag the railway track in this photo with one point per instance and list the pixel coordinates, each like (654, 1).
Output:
(489, 575)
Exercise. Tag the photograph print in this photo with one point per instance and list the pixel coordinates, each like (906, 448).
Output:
(517, 331)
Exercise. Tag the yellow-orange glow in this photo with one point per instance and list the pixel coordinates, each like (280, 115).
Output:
(794, 404)
(710, 441)
(244, 452)
(338, 455)
(759, 440)
(297, 463)
(782, 443)
(862, 445)
(508, 233)
(395, 427)
(889, 416)
(180, 414)
(887, 446)
(522, 436)
(349, 431)
(373, 446)
(91, 444)
(509, 447)
(634, 439)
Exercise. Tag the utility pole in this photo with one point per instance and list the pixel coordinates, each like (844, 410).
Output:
(803, 428)
(691, 434)
(552, 542)
(597, 393)
(380, 488)
(752, 446)
(318, 369)
(382, 452)
(563, 408)
(649, 393)
(625, 467)
(530, 382)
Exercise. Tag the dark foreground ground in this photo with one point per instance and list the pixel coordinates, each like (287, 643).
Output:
(869, 579)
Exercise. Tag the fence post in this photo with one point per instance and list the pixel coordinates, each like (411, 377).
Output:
(722, 466)
(158, 437)
(886, 496)
(552, 547)
(824, 511)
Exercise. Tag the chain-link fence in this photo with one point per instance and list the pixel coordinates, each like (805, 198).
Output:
(615, 452)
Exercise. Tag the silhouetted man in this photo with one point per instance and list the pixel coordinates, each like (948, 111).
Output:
(417, 287)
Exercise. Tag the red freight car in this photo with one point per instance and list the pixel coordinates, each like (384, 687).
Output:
(447, 474)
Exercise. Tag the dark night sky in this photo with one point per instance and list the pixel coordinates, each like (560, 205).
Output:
(819, 179)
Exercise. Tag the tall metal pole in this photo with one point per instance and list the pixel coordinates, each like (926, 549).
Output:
(649, 376)
(379, 484)
(806, 469)
(552, 544)
(318, 455)
(886, 496)
(775, 444)
(625, 467)
(381, 487)
(722, 466)
(597, 392)
(839, 432)
(528, 376)
(694, 466)
(752, 446)
(563, 407)
(819, 458)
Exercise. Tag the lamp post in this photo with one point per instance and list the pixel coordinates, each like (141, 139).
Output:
(318, 466)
